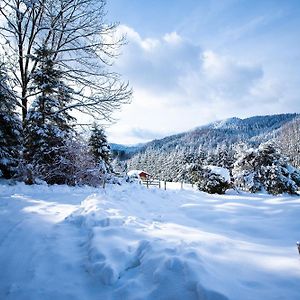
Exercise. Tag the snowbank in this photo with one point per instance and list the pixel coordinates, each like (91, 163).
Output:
(129, 242)
(127, 250)
(152, 244)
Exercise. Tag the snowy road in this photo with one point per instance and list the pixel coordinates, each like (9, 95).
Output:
(127, 242)
(40, 255)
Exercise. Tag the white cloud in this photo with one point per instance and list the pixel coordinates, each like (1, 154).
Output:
(172, 38)
(178, 86)
(135, 39)
(219, 80)
(268, 90)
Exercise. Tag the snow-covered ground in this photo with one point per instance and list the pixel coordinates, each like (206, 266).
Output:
(129, 242)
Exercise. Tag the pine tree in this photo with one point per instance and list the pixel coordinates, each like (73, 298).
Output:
(48, 123)
(277, 175)
(265, 169)
(193, 164)
(245, 173)
(100, 149)
(10, 129)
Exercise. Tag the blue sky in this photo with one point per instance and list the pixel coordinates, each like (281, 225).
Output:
(193, 62)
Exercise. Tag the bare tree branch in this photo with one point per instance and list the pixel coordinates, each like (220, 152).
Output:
(81, 42)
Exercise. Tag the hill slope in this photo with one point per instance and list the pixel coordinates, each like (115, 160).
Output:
(214, 142)
(252, 130)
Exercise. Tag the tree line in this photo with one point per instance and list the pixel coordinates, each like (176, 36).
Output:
(271, 166)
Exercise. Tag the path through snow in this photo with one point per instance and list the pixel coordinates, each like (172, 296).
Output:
(40, 254)
(127, 242)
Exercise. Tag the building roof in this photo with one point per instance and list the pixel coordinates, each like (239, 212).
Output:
(133, 173)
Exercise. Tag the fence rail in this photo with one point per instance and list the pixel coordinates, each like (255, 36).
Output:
(152, 182)
(163, 184)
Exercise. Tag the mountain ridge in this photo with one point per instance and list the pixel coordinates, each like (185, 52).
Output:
(240, 128)
(253, 130)
(214, 144)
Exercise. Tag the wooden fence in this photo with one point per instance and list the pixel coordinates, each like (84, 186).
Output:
(161, 184)
(164, 184)
(152, 182)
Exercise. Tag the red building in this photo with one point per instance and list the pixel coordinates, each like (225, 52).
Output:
(139, 174)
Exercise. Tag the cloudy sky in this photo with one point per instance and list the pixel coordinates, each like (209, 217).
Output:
(191, 62)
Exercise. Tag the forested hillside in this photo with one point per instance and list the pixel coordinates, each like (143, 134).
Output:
(215, 144)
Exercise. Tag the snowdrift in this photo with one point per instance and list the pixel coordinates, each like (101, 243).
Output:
(128, 254)
(152, 244)
(129, 242)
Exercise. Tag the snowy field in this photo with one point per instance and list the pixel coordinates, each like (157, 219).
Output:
(129, 242)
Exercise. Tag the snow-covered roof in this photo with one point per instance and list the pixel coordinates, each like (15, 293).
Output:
(133, 173)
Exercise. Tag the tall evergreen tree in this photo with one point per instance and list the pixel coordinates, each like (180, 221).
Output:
(48, 123)
(193, 164)
(10, 128)
(100, 149)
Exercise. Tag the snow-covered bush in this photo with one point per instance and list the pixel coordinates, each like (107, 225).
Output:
(79, 164)
(213, 180)
(265, 169)
(210, 179)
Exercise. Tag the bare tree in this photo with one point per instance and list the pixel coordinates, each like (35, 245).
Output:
(81, 42)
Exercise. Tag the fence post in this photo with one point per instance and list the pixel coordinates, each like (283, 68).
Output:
(159, 183)
(165, 184)
(103, 182)
(181, 184)
(147, 183)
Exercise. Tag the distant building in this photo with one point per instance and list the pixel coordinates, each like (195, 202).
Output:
(138, 174)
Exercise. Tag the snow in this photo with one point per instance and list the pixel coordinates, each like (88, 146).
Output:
(129, 242)
(135, 173)
(220, 171)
